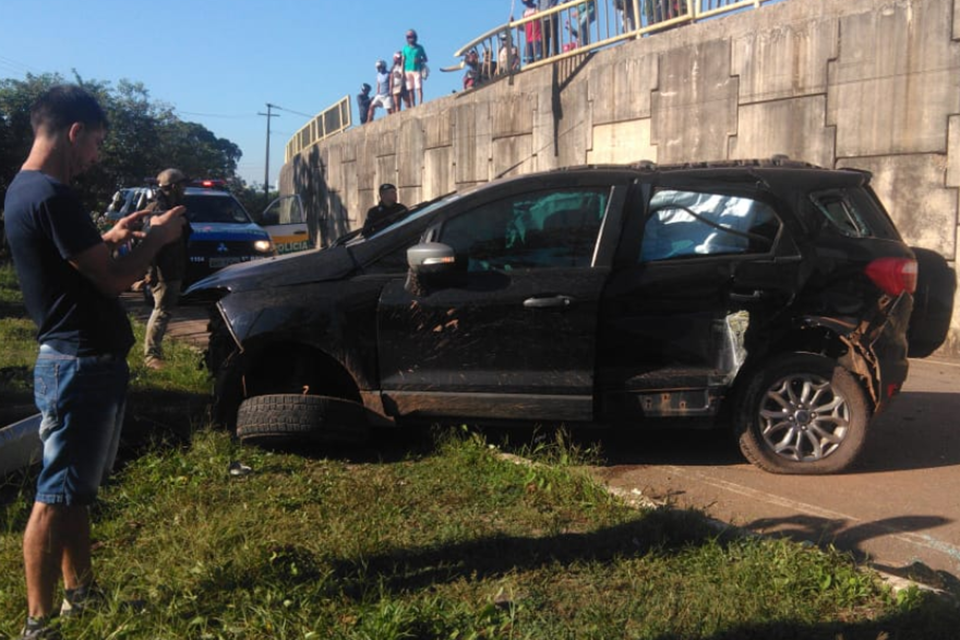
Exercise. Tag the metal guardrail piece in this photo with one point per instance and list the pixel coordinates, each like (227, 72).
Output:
(330, 121)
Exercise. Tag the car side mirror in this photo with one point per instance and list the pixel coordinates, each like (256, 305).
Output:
(431, 258)
(430, 264)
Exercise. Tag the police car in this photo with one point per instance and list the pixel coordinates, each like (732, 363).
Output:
(222, 232)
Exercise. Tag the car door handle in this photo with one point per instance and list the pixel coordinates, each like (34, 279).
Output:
(299, 233)
(744, 296)
(548, 302)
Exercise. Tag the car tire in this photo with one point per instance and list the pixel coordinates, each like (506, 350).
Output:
(803, 414)
(282, 418)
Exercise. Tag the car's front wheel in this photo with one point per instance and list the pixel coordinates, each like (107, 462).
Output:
(803, 414)
(283, 418)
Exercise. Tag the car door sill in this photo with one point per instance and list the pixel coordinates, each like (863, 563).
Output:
(499, 406)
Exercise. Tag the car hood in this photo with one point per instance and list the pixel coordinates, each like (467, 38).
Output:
(298, 268)
(212, 231)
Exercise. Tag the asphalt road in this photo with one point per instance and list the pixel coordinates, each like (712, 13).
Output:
(899, 510)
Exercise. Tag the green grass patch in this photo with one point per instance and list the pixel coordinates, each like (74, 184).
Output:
(445, 541)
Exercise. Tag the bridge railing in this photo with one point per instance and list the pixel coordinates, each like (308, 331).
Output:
(330, 121)
(576, 27)
(568, 29)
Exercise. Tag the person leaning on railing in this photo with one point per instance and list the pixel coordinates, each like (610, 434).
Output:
(551, 29)
(533, 49)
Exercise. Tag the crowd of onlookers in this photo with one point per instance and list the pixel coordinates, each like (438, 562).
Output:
(402, 83)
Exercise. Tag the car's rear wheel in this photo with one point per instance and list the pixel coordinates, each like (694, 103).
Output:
(277, 419)
(803, 414)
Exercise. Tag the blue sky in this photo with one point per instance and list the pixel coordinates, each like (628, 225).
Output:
(218, 62)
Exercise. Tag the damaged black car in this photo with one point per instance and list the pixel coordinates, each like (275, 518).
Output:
(773, 298)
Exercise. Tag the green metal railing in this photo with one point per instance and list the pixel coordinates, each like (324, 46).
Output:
(576, 27)
(328, 122)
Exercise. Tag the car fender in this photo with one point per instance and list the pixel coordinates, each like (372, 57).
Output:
(860, 358)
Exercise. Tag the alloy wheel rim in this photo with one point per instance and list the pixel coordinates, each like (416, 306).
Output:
(803, 418)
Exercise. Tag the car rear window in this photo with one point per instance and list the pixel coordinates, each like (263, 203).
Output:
(687, 224)
(856, 213)
(215, 209)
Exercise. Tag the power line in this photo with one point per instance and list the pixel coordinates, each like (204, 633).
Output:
(215, 115)
(305, 115)
(16, 65)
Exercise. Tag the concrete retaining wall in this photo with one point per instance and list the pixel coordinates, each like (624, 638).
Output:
(873, 84)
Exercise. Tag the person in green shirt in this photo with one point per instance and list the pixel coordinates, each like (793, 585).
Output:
(414, 61)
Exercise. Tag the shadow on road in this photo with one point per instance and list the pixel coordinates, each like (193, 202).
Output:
(920, 430)
(836, 532)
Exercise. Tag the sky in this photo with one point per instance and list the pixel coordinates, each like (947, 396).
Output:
(219, 62)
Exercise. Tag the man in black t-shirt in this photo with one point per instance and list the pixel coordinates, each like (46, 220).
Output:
(71, 283)
(363, 102)
(385, 213)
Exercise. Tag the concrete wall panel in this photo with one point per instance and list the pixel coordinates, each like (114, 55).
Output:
(953, 152)
(438, 130)
(956, 19)
(472, 141)
(545, 145)
(895, 98)
(794, 127)
(695, 109)
(438, 172)
(573, 124)
(911, 187)
(410, 147)
(512, 112)
(620, 90)
(622, 142)
(785, 62)
(512, 156)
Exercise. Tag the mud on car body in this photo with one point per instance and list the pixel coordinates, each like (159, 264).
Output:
(771, 297)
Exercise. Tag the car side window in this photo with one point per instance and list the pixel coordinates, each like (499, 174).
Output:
(683, 224)
(556, 228)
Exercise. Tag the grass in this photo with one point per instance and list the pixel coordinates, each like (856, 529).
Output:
(428, 537)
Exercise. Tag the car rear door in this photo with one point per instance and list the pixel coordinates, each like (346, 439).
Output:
(701, 269)
(514, 335)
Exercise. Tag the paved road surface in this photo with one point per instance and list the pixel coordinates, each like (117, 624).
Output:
(901, 507)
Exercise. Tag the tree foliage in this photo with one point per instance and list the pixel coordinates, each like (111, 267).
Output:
(145, 137)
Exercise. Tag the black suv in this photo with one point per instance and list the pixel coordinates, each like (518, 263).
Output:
(773, 297)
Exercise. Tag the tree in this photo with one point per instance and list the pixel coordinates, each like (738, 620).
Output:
(251, 197)
(145, 137)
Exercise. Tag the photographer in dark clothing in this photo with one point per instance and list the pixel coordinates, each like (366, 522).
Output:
(168, 269)
(385, 213)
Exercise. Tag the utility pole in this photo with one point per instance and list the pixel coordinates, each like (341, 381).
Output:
(266, 168)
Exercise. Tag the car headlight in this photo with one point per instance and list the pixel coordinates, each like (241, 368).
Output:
(263, 246)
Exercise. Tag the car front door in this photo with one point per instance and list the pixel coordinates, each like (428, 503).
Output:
(283, 219)
(513, 336)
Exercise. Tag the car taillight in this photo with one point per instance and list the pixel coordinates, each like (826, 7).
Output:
(894, 275)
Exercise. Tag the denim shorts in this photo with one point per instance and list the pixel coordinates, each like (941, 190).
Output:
(82, 400)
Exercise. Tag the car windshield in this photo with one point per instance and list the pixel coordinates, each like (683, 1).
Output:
(215, 209)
